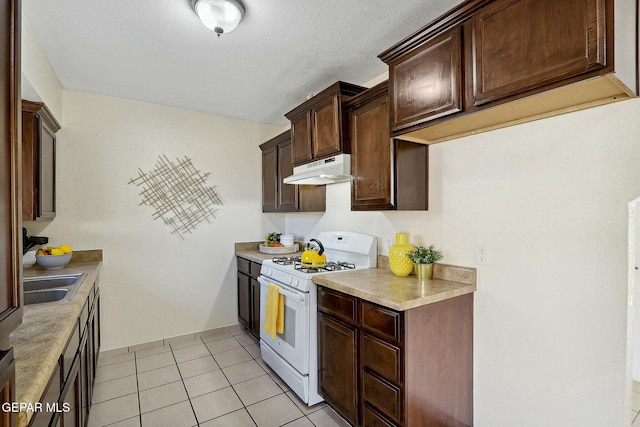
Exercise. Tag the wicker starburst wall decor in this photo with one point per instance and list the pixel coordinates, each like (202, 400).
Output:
(179, 194)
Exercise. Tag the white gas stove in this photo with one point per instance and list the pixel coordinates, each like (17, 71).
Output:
(293, 354)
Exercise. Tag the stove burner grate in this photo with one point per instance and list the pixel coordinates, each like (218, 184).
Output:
(331, 266)
(286, 260)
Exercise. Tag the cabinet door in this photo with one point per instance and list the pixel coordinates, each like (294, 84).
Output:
(427, 82)
(371, 164)
(39, 129)
(83, 374)
(244, 300)
(326, 128)
(255, 308)
(338, 366)
(72, 396)
(96, 331)
(90, 359)
(50, 397)
(10, 269)
(287, 194)
(29, 166)
(270, 179)
(301, 138)
(8, 386)
(47, 172)
(520, 45)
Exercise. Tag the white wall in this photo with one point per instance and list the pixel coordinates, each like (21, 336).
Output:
(155, 285)
(633, 338)
(40, 82)
(549, 199)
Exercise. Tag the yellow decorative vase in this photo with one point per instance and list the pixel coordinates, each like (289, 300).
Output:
(399, 262)
(424, 272)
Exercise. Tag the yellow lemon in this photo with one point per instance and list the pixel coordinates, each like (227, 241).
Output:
(66, 249)
(56, 251)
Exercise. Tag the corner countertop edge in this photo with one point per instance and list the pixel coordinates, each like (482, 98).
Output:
(382, 287)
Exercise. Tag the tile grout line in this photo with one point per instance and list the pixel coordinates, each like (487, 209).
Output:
(135, 364)
(285, 392)
(244, 343)
(231, 385)
(195, 416)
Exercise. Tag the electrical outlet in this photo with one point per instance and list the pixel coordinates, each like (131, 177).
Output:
(482, 254)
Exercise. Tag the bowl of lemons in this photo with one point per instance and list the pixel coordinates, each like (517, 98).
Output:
(54, 258)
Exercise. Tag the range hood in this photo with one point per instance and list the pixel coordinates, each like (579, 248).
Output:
(325, 171)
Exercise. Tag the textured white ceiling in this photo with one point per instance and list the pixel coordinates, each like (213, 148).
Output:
(158, 51)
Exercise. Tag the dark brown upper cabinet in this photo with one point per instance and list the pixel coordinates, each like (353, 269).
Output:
(316, 125)
(526, 44)
(11, 307)
(427, 82)
(488, 64)
(278, 196)
(387, 174)
(39, 129)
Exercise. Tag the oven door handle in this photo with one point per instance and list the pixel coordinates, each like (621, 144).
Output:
(290, 294)
(293, 295)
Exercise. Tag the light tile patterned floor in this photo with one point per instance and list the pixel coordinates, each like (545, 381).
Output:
(211, 379)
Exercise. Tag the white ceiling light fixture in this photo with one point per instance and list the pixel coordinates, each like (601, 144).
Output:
(221, 16)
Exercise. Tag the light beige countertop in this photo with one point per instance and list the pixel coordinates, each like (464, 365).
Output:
(381, 286)
(251, 251)
(40, 340)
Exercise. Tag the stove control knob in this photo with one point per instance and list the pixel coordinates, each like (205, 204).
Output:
(296, 282)
(290, 279)
(268, 271)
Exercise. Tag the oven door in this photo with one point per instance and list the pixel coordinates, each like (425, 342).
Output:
(293, 344)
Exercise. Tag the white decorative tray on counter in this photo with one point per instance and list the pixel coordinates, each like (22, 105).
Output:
(279, 250)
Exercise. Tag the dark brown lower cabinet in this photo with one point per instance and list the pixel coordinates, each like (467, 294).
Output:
(7, 385)
(337, 365)
(244, 300)
(70, 389)
(51, 396)
(95, 325)
(249, 295)
(86, 379)
(381, 367)
(71, 395)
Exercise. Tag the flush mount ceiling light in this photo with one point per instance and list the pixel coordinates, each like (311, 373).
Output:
(221, 16)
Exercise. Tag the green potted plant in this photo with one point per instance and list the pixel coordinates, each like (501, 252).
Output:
(423, 259)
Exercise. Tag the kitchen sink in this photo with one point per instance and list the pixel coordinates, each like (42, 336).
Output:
(48, 282)
(43, 289)
(45, 295)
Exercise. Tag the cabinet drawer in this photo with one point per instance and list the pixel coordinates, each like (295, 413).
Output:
(384, 321)
(340, 305)
(370, 418)
(255, 269)
(244, 265)
(382, 357)
(384, 396)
